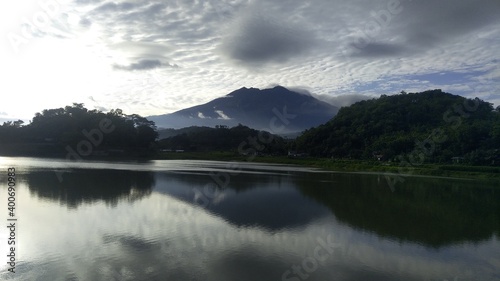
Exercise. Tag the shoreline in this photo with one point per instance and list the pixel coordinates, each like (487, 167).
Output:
(351, 166)
(457, 171)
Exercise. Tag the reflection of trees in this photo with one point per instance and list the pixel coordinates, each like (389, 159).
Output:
(237, 181)
(84, 185)
(434, 212)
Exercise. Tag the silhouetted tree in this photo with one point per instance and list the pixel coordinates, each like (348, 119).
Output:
(72, 124)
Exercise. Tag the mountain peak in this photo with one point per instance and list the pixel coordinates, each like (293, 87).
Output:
(276, 90)
(281, 88)
(243, 90)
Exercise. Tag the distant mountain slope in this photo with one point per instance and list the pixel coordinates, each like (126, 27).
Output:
(167, 133)
(259, 109)
(225, 139)
(444, 125)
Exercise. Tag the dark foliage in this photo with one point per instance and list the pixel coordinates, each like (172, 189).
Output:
(433, 125)
(53, 130)
(222, 138)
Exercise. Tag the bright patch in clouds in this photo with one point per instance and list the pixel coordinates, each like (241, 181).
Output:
(156, 57)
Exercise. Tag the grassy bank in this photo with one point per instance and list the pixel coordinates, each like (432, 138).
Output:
(456, 171)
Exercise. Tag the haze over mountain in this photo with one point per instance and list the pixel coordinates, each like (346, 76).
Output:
(277, 110)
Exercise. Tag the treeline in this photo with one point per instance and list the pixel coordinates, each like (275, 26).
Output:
(240, 139)
(167, 133)
(431, 126)
(87, 131)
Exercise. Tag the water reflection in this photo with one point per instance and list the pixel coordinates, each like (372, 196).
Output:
(430, 211)
(87, 186)
(433, 212)
(256, 228)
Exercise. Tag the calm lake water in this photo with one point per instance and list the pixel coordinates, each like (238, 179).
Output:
(202, 220)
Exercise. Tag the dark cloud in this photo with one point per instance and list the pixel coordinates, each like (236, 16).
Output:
(419, 26)
(377, 50)
(440, 20)
(144, 65)
(260, 39)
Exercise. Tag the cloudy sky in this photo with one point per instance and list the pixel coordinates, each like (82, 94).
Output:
(155, 57)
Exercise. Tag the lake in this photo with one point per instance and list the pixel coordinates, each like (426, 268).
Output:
(203, 220)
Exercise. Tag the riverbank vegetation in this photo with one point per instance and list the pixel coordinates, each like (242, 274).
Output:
(78, 131)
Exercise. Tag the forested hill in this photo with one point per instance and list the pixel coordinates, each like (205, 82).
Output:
(77, 130)
(438, 124)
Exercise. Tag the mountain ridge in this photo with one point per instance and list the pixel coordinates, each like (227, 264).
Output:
(255, 108)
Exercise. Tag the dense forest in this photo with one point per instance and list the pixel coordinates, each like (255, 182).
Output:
(434, 125)
(75, 129)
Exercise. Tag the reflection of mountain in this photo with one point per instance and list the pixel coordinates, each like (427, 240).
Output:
(434, 212)
(263, 201)
(84, 185)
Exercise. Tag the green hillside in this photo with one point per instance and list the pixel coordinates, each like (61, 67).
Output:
(432, 126)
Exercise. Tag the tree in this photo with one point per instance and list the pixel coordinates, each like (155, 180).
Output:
(116, 112)
(141, 121)
(77, 109)
(146, 135)
(13, 124)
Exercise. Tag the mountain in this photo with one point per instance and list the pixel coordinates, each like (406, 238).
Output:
(277, 110)
(433, 126)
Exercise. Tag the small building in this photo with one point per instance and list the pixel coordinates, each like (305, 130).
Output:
(295, 154)
(457, 160)
(379, 156)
